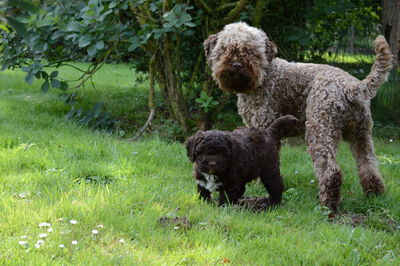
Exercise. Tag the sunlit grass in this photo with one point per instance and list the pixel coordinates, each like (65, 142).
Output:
(55, 172)
(348, 58)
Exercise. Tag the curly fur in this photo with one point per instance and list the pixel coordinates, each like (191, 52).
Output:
(225, 161)
(329, 102)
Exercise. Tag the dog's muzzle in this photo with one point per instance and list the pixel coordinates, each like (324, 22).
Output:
(209, 168)
(236, 80)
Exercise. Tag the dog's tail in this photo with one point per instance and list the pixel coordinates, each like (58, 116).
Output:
(284, 126)
(368, 87)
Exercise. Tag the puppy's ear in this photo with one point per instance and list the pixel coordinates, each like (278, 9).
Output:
(231, 144)
(209, 44)
(270, 50)
(191, 144)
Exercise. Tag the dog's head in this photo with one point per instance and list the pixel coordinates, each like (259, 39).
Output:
(211, 150)
(238, 56)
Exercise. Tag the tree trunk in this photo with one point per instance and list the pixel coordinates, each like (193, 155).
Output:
(391, 26)
(167, 78)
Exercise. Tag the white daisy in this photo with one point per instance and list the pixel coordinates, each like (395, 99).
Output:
(44, 224)
(43, 235)
(22, 243)
(74, 242)
(95, 232)
(121, 240)
(73, 221)
(61, 246)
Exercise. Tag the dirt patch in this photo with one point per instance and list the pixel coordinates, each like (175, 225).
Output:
(377, 221)
(175, 222)
(352, 219)
(256, 204)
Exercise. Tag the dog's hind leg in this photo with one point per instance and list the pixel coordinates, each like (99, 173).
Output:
(272, 181)
(322, 141)
(363, 151)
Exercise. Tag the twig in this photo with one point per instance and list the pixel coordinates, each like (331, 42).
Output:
(240, 5)
(93, 69)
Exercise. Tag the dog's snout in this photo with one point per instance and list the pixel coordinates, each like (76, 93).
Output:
(237, 65)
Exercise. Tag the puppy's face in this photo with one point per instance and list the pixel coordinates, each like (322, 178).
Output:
(237, 56)
(211, 150)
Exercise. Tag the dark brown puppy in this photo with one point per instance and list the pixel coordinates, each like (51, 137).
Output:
(225, 161)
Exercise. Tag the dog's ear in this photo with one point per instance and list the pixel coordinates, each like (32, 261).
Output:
(231, 144)
(209, 44)
(191, 144)
(270, 50)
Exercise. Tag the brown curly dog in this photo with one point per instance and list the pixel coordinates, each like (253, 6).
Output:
(329, 102)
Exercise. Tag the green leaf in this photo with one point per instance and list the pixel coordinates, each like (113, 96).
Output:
(186, 17)
(57, 35)
(97, 110)
(24, 5)
(4, 27)
(100, 45)
(19, 27)
(53, 74)
(45, 86)
(190, 24)
(29, 78)
(85, 40)
(112, 4)
(45, 75)
(55, 83)
(63, 85)
(73, 26)
(134, 43)
(91, 50)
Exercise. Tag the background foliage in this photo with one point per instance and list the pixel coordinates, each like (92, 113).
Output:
(167, 36)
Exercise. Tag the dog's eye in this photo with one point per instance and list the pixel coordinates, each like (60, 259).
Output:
(218, 151)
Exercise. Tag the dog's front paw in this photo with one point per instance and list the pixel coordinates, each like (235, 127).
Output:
(204, 193)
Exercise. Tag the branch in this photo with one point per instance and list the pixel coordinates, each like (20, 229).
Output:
(260, 5)
(232, 15)
(93, 69)
(222, 7)
(203, 6)
(152, 104)
(70, 65)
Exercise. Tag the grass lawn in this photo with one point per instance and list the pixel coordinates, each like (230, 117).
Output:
(115, 192)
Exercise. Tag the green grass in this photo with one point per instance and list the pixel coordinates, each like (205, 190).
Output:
(348, 58)
(50, 168)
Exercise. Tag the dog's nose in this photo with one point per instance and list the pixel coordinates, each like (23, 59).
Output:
(237, 65)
